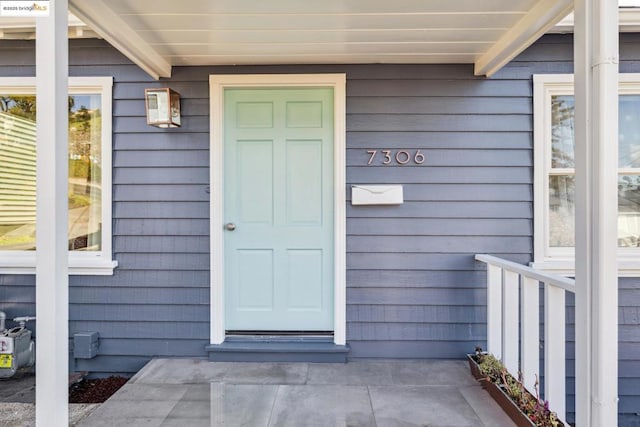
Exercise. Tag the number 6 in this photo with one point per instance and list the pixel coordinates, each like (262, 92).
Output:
(418, 158)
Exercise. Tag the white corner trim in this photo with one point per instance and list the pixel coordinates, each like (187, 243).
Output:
(340, 210)
(105, 22)
(542, 17)
(217, 85)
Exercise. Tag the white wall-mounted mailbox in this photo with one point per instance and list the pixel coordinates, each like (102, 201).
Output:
(376, 195)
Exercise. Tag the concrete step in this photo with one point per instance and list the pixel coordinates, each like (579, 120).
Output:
(250, 348)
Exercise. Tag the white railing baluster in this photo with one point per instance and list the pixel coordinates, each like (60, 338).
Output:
(530, 331)
(554, 349)
(494, 310)
(505, 311)
(510, 354)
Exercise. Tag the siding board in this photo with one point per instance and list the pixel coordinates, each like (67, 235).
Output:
(439, 174)
(142, 158)
(440, 244)
(413, 296)
(185, 210)
(415, 331)
(420, 261)
(161, 175)
(435, 87)
(148, 295)
(169, 142)
(161, 227)
(139, 313)
(171, 261)
(160, 193)
(446, 279)
(448, 140)
(444, 209)
(198, 123)
(162, 244)
(157, 278)
(439, 227)
(417, 314)
(441, 123)
(437, 105)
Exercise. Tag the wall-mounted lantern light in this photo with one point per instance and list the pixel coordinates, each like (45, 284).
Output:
(163, 107)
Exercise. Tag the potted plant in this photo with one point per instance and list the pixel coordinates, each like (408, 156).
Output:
(523, 408)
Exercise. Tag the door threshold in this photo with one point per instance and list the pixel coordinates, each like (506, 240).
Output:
(244, 338)
(278, 335)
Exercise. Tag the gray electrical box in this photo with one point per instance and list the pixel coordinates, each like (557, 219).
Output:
(85, 345)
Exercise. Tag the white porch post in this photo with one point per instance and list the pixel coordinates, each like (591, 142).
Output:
(52, 295)
(596, 96)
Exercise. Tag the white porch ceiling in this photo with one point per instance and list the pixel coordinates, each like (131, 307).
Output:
(157, 34)
(194, 32)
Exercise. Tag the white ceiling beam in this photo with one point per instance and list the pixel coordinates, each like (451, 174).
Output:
(106, 23)
(542, 17)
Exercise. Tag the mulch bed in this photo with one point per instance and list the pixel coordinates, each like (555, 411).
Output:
(96, 390)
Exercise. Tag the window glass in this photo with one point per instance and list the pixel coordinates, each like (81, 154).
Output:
(562, 131)
(629, 211)
(561, 211)
(629, 131)
(562, 180)
(18, 172)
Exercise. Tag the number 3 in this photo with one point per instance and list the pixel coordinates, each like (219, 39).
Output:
(387, 157)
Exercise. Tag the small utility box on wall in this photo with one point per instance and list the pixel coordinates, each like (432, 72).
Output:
(163, 107)
(376, 195)
(85, 345)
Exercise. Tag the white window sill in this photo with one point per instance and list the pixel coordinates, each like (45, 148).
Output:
(566, 267)
(78, 266)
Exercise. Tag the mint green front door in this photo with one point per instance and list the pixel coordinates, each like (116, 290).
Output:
(278, 209)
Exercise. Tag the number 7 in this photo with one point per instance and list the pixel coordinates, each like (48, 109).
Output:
(373, 155)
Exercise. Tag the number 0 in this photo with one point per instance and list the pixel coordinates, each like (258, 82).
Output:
(401, 154)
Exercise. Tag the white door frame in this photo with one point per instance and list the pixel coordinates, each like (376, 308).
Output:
(217, 84)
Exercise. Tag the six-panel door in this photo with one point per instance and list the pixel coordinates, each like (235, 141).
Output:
(278, 199)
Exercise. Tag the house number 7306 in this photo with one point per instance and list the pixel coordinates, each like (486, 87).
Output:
(401, 157)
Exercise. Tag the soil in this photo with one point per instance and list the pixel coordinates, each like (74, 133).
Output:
(95, 390)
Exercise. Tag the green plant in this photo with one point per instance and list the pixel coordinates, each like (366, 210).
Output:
(536, 409)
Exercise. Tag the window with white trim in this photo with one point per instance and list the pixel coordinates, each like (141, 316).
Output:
(89, 175)
(554, 174)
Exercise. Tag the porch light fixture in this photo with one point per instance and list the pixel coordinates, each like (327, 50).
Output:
(163, 107)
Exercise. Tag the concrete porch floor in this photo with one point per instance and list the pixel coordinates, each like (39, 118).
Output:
(193, 393)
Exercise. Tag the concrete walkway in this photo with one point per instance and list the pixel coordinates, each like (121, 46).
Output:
(193, 393)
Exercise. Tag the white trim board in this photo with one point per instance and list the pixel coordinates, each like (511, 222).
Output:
(217, 84)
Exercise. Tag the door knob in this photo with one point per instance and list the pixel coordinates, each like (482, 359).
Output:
(230, 226)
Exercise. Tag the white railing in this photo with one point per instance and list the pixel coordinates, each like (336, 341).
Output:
(513, 324)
